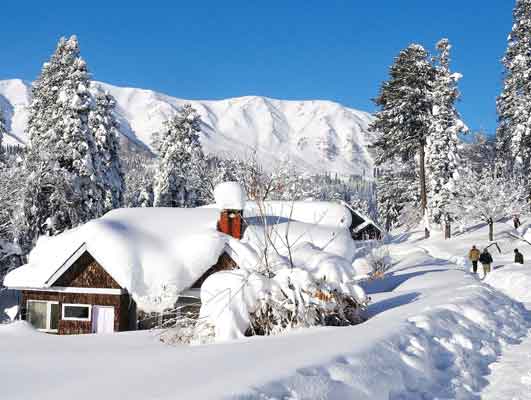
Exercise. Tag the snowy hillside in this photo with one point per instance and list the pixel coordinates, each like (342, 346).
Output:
(318, 135)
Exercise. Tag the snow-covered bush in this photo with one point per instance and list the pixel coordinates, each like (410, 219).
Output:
(379, 261)
(372, 261)
(306, 303)
(244, 302)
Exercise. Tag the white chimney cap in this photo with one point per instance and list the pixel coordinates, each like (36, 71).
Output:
(230, 196)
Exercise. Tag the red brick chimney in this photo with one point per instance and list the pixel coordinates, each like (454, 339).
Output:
(231, 223)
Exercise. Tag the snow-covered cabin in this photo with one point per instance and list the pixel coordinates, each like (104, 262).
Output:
(109, 273)
(363, 227)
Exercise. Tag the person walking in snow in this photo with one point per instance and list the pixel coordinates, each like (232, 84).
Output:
(473, 255)
(518, 257)
(486, 260)
(516, 222)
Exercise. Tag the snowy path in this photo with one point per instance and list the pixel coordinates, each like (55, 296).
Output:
(511, 375)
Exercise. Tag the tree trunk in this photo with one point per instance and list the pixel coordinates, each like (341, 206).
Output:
(491, 229)
(447, 230)
(423, 191)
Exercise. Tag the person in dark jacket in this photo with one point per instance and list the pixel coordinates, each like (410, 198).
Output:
(486, 260)
(518, 257)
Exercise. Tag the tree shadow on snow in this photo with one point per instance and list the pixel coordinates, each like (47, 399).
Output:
(388, 304)
(391, 282)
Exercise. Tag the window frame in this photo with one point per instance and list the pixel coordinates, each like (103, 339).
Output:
(48, 314)
(89, 306)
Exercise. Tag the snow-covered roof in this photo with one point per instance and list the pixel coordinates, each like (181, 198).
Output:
(291, 227)
(152, 252)
(322, 213)
(156, 253)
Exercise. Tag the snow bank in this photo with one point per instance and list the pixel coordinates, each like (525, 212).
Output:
(514, 280)
(154, 253)
(229, 196)
(438, 347)
(228, 298)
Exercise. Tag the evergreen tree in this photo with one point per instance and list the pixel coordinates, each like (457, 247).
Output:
(63, 188)
(513, 135)
(442, 157)
(103, 126)
(178, 180)
(394, 194)
(405, 116)
(3, 131)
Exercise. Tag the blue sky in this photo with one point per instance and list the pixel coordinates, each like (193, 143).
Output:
(337, 50)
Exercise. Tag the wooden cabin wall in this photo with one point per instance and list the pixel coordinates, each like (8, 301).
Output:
(121, 304)
(87, 272)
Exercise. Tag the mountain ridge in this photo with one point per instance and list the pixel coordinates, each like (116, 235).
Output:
(318, 135)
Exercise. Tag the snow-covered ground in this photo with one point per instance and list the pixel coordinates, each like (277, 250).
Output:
(433, 332)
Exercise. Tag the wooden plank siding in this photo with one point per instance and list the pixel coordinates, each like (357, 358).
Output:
(120, 303)
(86, 272)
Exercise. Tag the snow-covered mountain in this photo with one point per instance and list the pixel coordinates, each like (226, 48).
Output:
(318, 135)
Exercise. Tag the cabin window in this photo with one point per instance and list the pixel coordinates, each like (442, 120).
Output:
(76, 312)
(43, 315)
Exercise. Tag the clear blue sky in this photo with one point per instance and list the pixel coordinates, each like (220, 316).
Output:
(337, 50)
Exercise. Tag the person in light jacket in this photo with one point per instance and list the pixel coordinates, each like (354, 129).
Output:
(473, 255)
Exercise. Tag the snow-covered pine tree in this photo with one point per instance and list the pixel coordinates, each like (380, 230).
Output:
(63, 188)
(513, 135)
(217, 170)
(405, 116)
(394, 194)
(3, 131)
(103, 126)
(442, 156)
(177, 180)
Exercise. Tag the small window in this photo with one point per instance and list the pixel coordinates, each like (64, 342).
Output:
(77, 312)
(43, 315)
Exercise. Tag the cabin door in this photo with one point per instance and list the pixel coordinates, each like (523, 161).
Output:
(102, 319)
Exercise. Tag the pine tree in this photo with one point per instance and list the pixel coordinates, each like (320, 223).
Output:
(178, 180)
(513, 135)
(63, 187)
(3, 131)
(405, 116)
(394, 194)
(442, 159)
(103, 126)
